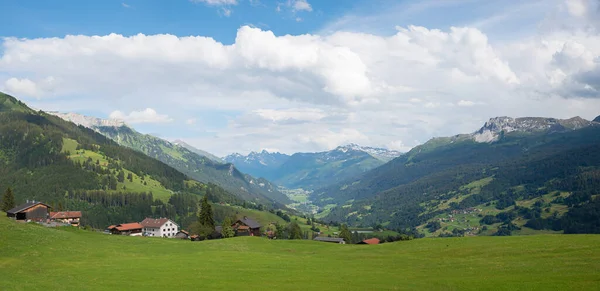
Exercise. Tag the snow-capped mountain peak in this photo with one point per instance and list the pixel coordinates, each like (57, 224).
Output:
(378, 153)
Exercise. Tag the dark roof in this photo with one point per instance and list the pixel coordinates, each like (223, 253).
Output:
(155, 222)
(249, 222)
(65, 214)
(219, 229)
(329, 239)
(25, 207)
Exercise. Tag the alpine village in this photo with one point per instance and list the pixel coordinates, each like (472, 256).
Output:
(300, 145)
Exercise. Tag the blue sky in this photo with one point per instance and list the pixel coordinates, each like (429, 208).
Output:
(303, 75)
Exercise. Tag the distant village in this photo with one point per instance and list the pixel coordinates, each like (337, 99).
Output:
(39, 212)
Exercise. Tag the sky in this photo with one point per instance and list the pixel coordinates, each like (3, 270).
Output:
(303, 75)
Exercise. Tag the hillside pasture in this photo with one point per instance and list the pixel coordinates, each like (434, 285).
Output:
(36, 258)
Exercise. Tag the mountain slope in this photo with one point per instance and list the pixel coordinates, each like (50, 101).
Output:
(539, 156)
(199, 151)
(261, 164)
(597, 119)
(198, 167)
(313, 170)
(71, 167)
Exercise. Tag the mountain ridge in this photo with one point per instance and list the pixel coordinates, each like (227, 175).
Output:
(540, 159)
(312, 170)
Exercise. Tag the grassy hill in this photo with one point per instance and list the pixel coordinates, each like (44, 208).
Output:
(36, 258)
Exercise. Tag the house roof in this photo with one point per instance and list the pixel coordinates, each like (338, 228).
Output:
(155, 222)
(219, 229)
(183, 231)
(128, 226)
(371, 241)
(65, 214)
(329, 239)
(25, 206)
(249, 222)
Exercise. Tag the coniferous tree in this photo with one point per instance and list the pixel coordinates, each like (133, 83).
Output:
(121, 177)
(345, 233)
(8, 200)
(227, 230)
(206, 214)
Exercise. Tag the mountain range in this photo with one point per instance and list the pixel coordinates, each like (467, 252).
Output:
(184, 158)
(313, 170)
(508, 164)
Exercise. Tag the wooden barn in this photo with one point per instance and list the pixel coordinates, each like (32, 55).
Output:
(69, 217)
(246, 227)
(32, 210)
(131, 229)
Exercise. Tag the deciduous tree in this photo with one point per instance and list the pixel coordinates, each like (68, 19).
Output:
(227, 230)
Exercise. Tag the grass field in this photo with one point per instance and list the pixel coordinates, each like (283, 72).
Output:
(36, 258)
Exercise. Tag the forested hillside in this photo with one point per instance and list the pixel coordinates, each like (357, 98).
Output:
(71, 167)
(196, 166)
(548, 178)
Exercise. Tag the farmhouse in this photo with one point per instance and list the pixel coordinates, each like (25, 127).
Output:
(371, 241)
(131, 229)
(161, 227)
(246, 227)
(337, 240)
(31, 210)
(69, 217)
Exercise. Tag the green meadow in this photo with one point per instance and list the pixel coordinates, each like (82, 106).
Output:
(36, 258)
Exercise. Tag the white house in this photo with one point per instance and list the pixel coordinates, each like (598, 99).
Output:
(159, 227)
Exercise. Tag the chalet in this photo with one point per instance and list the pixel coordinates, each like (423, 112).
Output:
(68, 217)
(131, 229)
(246, 227)
(337, 240)
(182, 234)
(31, 210)
(160, 227)
(371, 241)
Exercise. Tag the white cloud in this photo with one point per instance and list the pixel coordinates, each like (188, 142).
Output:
(465, 103)
(30, 88)
(147, 115)
(300, 5)
(191, 121)
(577, 7)
(226, 12)
(125, 5)
(315, 91)
(216, 2)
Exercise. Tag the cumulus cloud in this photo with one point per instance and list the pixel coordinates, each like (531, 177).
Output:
(147, 115)
(314, 92)
(29, 88)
